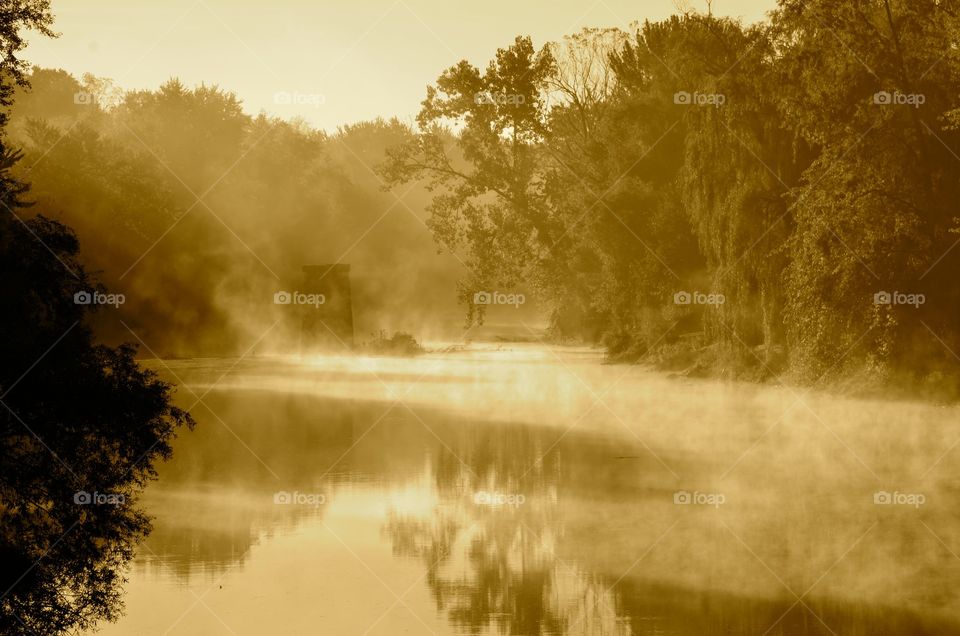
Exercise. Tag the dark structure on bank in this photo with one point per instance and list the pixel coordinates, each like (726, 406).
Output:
(329, 325)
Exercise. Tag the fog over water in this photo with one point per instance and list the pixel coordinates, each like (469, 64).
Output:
(533, 489)
(480, 318)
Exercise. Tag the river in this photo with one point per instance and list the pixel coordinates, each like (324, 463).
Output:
(534, 490)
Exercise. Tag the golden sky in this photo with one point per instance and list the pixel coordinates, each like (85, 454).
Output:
(329, 62)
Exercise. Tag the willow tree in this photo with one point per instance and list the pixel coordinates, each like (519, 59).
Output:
(617, 194)
(740, 159)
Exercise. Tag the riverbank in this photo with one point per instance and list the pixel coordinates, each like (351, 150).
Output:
(688, 357)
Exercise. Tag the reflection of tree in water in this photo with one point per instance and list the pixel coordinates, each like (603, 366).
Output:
(494, 565)
(264, 441)
(496, 568)
(210, 533)
(216, 496)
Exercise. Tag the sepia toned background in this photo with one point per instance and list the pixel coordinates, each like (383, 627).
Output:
(480, 318)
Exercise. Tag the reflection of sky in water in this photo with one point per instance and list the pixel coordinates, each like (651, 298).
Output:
(402, 544)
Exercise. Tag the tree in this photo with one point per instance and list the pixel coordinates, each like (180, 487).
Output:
(873, 94)
(82, 425)
(478, 142)
(80, 418)
(798, 168)
(16, 16)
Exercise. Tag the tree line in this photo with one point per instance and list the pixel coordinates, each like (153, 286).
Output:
(752, 200)
(198, 212)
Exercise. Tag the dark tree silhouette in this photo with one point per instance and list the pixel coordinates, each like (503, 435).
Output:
(81, 428)
(81, 424)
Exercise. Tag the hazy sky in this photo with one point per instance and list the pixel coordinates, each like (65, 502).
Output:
(335, 62)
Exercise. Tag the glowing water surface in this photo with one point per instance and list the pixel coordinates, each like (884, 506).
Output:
(533, 490)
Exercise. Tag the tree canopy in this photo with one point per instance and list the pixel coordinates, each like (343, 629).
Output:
(797, 175)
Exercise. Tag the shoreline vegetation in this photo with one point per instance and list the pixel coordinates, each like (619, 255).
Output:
(400, 344)
(691, 359)
(749, 201)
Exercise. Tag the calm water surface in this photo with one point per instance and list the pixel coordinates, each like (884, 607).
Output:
(533, 490)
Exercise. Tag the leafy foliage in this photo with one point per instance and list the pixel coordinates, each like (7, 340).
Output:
(796, 167)
(78, 417)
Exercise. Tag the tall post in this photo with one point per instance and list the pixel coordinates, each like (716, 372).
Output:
(328, 325)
